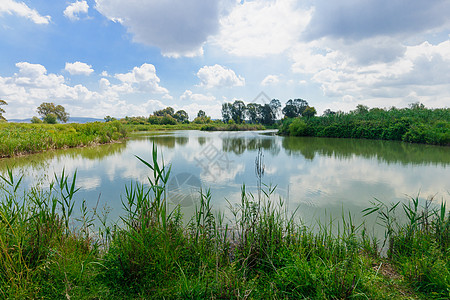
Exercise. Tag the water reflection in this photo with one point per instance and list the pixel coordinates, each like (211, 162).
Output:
(385, 151)
(312, 174)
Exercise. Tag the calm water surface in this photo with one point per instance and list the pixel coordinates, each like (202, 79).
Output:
(318, 176)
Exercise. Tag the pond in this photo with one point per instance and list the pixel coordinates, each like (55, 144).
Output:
(317, 177)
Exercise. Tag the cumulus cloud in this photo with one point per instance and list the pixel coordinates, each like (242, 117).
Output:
(420, 73)
(22, 10)
(144, 78)
(176, 27)
(219, 76)
(79, 68)
(73, 10)
(32, 85)
(351, 19)
(260, 28)
(270, 80)
(188, 95)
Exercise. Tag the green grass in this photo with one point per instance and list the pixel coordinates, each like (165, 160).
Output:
(20, 138)
(262, 252)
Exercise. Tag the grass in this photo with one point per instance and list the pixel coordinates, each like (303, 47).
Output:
(20, 139)
(263, 252)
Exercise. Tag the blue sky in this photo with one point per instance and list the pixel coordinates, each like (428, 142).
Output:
(129, 58)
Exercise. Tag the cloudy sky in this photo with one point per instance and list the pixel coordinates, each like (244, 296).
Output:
(119, 58)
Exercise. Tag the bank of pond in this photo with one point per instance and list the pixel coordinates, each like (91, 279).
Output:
(418, 125)
(263, 251)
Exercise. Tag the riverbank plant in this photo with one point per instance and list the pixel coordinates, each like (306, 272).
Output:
(260, 251)
(19, 138)
(415, 125)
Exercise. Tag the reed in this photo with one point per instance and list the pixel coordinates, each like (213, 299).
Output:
(262, 252)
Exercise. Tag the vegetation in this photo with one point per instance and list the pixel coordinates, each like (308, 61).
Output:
(30, 138)
(2, 111)
(415, 124)
(262, 253)
(50, 113)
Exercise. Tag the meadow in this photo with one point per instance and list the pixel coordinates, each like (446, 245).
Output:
(263, 252)
(21, 138)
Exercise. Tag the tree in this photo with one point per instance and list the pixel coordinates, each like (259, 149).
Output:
(226, 112)
(275, 104)
(309, 112)
(268, 114)
(294, 108)
(59, 111)
(254, 112)
(35, 120)
(328, 112)
(109, 119)
(361, 109)
(50, 118)
(416, 105)
(238, 111)
(166, 111)
(2, 111)
(181, 116)
(201, 114)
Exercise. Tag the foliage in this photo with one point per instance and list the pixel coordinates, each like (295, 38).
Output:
(30, 138)
(48, 111)
(181, 116)
(2, 111)
(414, 125)
(35, 120)
(166, 111)
(238, 111)
(294, 108)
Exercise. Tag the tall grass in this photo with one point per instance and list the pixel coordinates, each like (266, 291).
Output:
(30, 138)
(262, 252)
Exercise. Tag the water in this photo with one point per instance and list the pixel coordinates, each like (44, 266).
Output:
(320, 177)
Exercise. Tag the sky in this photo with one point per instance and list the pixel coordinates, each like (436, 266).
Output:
(130, 58)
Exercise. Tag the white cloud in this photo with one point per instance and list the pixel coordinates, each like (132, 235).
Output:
(79, 68)
(22, 10)
(417, 73)
(32, 85)
(190, 96)
(178, 28)
(73, 10)
(260, 28)
(270, 80)
(219, 76)
(144, 78)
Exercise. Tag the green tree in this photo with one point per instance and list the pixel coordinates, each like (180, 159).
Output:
(226, 112)
(361, 109)
(328, 112)
(275, 105)
(166, 111)
(294, 108)
(2, 111)
(254, 112)
(59, 111)
(238, 111)
(309, 112)
(268, 114)
(109, 119)
(201, 114)
(181, 116)
(36, 120)
(50, 118)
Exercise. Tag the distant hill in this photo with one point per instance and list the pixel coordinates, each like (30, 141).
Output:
(71, 120)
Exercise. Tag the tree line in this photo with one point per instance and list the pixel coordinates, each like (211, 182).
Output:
(266, 114)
